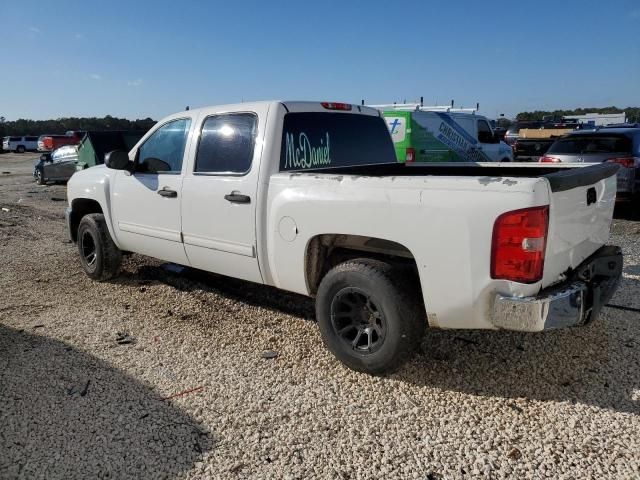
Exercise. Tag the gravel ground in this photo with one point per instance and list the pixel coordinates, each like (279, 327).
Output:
(161, 375)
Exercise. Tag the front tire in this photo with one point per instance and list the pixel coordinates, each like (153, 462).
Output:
(368, 317)
(99, 256)
(40, 180)
(20, 149)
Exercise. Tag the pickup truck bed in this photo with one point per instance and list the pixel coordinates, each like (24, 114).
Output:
(553, 172)
(450, 264)
(308, 197)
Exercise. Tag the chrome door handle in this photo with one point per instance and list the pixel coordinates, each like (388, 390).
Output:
(235, 197)
(167, 192)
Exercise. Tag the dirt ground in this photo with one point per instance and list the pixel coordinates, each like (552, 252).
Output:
(158, 374)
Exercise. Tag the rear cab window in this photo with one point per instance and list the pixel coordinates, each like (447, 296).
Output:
(597, 143)
(319, 140)
(226, 144)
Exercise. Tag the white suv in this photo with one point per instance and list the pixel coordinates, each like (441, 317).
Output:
(19, 144)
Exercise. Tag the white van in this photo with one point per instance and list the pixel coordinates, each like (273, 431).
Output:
(20, 144)
(443, 134)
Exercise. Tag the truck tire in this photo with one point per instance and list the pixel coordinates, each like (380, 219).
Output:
(368, 316)
(99, 256)
(20, 149)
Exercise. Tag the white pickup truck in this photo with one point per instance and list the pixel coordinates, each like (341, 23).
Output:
(308, 197)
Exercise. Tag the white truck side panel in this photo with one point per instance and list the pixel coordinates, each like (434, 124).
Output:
(450, 242)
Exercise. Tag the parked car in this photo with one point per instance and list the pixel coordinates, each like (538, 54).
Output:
(63, 162)
(20, 144)
(48, 143)
(56, 166)
(423, 135)
(309, 197)
(612, 145)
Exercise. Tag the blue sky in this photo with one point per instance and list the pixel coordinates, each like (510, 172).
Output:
(150, 58)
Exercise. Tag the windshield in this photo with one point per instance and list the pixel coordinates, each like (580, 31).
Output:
(329, 140)
(586, 144)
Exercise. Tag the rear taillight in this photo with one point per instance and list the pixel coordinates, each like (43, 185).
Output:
(548, 159)
(628, 162)
(336, 106)
(410, 155)
(518, 245)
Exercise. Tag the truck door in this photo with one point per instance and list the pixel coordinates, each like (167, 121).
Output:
(146, 204)
(219, 194)
(486, 143)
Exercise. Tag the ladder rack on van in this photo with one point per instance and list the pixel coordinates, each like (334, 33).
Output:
(422, 108)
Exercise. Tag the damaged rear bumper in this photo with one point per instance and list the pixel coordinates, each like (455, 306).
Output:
(576, 301)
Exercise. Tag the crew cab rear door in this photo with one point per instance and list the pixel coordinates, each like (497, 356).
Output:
(219, 193)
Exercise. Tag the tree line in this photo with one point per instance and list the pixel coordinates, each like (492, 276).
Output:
(62, 125)
(632, 113)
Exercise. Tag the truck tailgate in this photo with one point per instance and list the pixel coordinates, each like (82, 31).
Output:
(580, 214)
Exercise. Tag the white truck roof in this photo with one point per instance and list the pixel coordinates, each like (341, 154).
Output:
(291, 105)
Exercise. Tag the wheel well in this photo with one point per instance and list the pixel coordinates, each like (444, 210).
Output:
(79, 208)
(326, 251)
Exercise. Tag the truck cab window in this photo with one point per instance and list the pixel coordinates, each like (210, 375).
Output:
(163, 151)
(485, 135)
(226, 144)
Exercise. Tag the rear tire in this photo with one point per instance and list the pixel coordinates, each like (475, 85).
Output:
(99, 256)
(368, 317)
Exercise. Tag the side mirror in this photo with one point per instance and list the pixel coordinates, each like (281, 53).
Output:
(117, 160)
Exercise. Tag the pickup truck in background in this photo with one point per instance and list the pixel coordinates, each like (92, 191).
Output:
(535, 142)
(49, 143)
(533, 139)
(308, 197)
